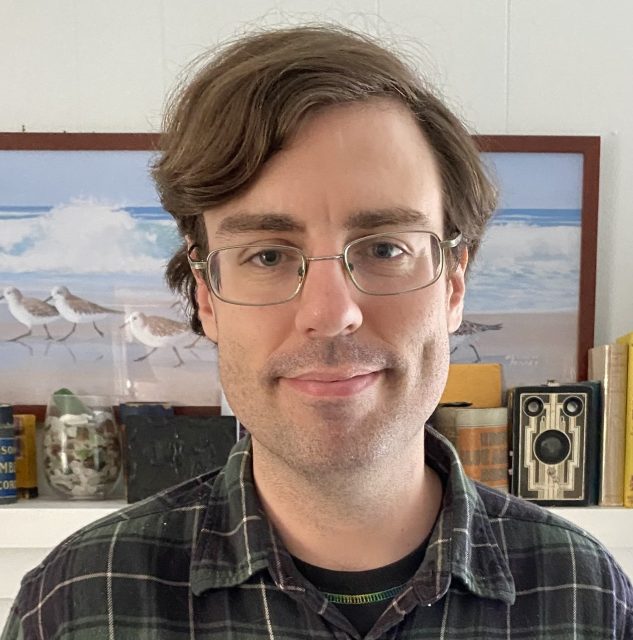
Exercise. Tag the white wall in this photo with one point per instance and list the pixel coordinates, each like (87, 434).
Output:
(508, 66)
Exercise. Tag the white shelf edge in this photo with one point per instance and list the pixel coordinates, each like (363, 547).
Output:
(44, 522)
(610, 525)
(52, 503)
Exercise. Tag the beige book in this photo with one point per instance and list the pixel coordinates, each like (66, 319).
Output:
(609, 364)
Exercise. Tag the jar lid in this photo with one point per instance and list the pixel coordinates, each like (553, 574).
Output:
(6, 414)
(151, 409)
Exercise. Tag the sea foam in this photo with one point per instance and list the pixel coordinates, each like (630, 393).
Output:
(85, 236)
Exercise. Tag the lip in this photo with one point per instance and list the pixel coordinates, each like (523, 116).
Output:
(339, 384)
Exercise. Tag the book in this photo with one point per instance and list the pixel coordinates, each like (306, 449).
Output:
(628, 437)
(608, 363)
(480, 385)
(25, 455)
(163, 450)
(444, 420)
(480, 436)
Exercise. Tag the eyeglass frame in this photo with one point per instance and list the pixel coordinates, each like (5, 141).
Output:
(203, 265)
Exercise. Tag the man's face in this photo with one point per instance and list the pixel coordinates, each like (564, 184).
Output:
(336, 377)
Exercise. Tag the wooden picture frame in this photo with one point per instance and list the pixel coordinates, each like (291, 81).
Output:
(543, 152)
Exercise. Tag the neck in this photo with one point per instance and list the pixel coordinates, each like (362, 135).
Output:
(353, 521)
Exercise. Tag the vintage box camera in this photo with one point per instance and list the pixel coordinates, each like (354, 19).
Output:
(556, 443)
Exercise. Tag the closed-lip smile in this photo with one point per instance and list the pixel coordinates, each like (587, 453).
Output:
(324, 382)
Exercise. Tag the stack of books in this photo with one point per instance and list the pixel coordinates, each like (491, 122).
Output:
(472, 417)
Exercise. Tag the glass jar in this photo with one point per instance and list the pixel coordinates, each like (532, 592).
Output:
(82, 449)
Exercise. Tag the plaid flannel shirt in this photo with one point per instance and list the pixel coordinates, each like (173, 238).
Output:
(201, 561)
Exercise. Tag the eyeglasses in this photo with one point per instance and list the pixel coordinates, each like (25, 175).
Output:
(381, 264)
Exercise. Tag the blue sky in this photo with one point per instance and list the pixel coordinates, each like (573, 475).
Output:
(538, 180)
(54, 177)
(527, 181)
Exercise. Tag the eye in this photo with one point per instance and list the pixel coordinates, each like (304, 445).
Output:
(268, 257)
(265, 257)
(384, 250)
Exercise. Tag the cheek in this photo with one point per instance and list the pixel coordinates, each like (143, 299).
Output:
(420, 332)
(247, 337)
(238, 373)
(414, 318)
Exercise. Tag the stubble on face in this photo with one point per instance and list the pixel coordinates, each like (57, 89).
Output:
(337, 438)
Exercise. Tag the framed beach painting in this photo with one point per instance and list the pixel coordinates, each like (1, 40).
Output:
(530, 299)
(83, 246)
(84, 243)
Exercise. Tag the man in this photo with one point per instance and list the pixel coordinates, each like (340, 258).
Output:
(329, 205)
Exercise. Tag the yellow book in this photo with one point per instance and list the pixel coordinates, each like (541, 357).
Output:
(477, 384)
(628, 446)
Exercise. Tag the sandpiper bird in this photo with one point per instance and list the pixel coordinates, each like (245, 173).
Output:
(29, 311)
(157, 331)
(468, 331)
(78, 310)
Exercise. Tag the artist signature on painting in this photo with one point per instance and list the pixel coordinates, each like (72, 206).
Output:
(519, 361)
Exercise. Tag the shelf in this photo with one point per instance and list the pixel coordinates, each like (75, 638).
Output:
(44, 522)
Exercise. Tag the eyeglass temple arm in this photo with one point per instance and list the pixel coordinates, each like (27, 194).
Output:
(200, 265)
(197, 264)
(453, 242)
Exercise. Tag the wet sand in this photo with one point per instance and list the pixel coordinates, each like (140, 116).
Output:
(532, 347)
(31, 369)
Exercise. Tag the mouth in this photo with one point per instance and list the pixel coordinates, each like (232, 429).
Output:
(330, 384)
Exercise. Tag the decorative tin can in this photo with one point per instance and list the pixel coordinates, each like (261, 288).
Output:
(8, 484)
(25, 455)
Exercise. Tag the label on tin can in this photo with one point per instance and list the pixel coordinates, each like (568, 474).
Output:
(8, 484)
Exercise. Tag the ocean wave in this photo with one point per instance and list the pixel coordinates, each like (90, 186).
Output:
(538, 217)
(86, 236)
(526, 268)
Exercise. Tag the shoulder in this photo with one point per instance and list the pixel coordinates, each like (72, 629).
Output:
(545, 549)
(171, 509)
(531, 519)
(530, 523)
(166, 523)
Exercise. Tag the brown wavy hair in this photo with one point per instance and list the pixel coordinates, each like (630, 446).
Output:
(248, 99)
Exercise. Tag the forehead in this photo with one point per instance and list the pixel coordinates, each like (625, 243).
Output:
(352, 166)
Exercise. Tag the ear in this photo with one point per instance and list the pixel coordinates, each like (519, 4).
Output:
(456, 290)
(204, 300)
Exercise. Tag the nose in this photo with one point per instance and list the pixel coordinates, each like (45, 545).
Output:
(327, 305)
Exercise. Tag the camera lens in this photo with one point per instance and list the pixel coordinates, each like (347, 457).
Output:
(533, 406)
(573, 406)
(552, 447)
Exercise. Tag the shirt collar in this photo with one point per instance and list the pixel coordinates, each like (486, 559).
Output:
(234, 537)
(463, 544)
(235, 540)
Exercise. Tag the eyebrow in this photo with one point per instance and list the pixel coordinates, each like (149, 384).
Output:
(385, 217)
(249, 222)
(366, 220)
